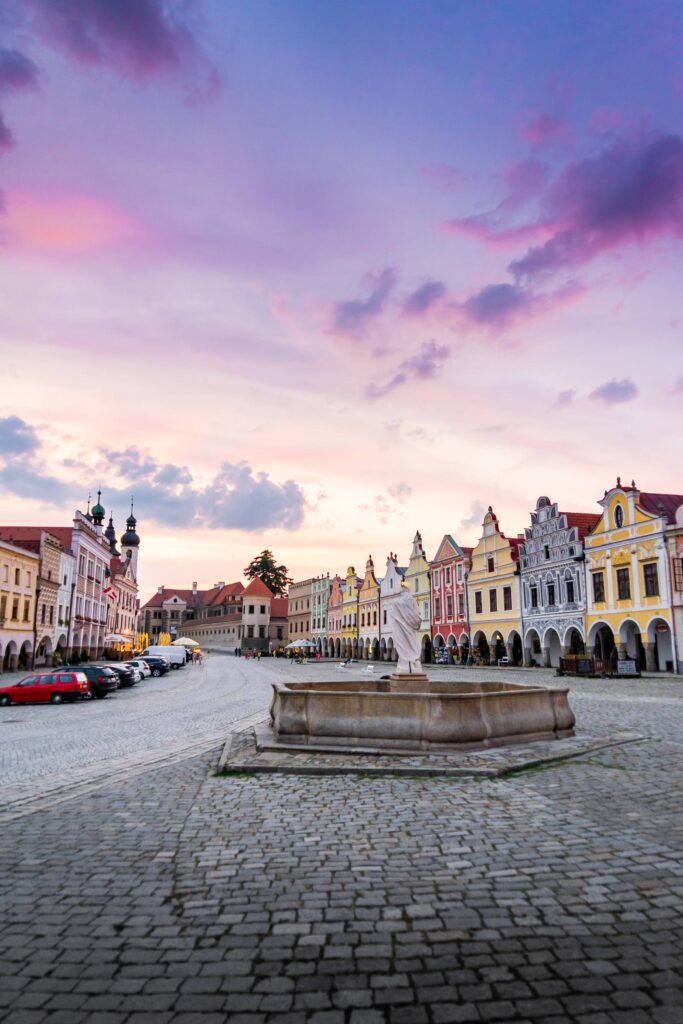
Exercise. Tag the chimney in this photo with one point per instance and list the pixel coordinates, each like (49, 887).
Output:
(221, 583)
(160, 589)
(194, 587)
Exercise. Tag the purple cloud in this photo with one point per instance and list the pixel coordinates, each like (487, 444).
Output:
(614, 391)
(631, 192)
(138, 38)
(524, 181)
(352, 315)
(424, 297)
(497, 304)
(17, 437)
(400, 491)
(565, 397)
(17, 73)
(476, 516)
(427, 364)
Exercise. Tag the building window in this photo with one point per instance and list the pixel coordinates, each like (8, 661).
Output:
(546, 551)
(507, 599)
(250, 609)
(459, 570)
(448, 574)
(477, 602)
(15, 608)
(491, 565)
(250, 631)
(437, 607)
(449, 606)
(551, 595)
(461, 605)
(493, 600)
(384, 615)
(17, 577)
(651, 580)
(623, 585)
(262, 609)
(262, 632)
(618, 517)
(598, 588)
(534, 596)
(416, 585)
(436, 577)
(570, 591)
(42, 614)
(26, 611)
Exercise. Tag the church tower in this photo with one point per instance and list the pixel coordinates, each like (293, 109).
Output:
(130, 542)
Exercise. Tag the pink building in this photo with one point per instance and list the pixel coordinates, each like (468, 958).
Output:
(448, 576)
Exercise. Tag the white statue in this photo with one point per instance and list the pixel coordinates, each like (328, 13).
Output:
(405, 625)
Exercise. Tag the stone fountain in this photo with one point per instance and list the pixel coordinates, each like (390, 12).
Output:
(407, 712)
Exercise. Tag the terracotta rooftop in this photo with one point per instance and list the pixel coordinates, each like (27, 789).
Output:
(584, 521)
(661, 504)
(257, 588)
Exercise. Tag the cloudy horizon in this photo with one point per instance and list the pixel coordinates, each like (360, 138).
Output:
(311, 277)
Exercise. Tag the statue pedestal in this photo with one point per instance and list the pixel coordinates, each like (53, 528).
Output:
(408, 682)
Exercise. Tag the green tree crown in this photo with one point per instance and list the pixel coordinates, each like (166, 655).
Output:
(266, 568)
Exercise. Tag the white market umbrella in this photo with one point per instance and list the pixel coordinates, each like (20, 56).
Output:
(114, 638)
(184, 641)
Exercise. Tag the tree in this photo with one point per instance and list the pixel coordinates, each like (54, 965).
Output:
(274, 576)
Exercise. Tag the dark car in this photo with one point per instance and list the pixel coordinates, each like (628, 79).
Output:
(127, 677)
(102, 679)
(159, 666)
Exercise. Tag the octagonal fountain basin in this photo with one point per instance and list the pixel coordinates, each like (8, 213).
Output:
(440, 716)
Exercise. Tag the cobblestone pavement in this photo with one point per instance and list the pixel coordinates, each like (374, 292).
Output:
(176, 896)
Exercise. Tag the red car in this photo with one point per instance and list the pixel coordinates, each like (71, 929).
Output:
(55, 687)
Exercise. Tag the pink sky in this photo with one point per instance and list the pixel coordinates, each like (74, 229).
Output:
(312, 280)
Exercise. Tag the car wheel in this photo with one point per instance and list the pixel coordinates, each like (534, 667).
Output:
(156, 672)
(5, 700)
(56, 698)
(100, 696)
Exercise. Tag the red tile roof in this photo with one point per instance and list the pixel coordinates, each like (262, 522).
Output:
(661, 504)
(584, 521)
(231, 590)
(257, 588)
(25, 535)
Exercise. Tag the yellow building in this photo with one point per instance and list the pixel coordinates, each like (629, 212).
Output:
(18, 576)
(350, 588)
(627, 579)
(417, 582)
(493, 596)
(368, 607)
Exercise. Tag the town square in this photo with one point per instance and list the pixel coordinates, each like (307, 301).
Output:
(341, 512)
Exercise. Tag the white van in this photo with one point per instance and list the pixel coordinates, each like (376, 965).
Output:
(177, 656)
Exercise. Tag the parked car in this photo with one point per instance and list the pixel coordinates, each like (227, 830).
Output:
(177, 656)
(55, 687)
(142, 667)
(158, 666)
(127, 676)
(102, 679)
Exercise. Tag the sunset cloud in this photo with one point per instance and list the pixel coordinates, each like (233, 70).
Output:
(427, 363)
(423, 297)
(137, 38)
(614, 391)
(352, 315)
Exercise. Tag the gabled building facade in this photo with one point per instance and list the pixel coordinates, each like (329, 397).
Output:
(552, 583)
(389, 589)
(368, 606)
(319, 601)
(417, 581)
(494, 596)
(448, 576)
(333, 648)
(299, 612)
(629, 613)
(349, 613)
